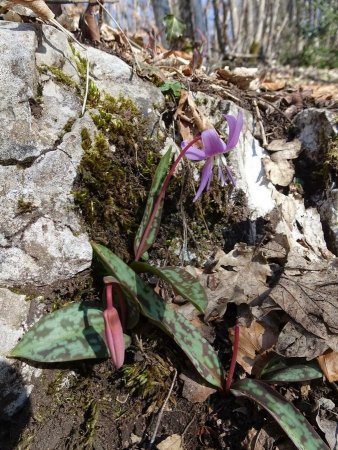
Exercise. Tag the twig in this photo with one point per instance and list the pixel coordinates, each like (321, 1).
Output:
(162, 411)
(188, 426)
(231, 96)
(124, 34)
(276, 108)
(260, 122)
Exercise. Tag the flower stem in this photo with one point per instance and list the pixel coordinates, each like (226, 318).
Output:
(161, 196)
(233, 360)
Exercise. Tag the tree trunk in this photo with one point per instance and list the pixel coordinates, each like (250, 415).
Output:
(161, 9)
(218, 27)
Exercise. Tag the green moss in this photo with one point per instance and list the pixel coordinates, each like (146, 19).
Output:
(331, 159)
(25, 206)
(60, 76)
(91, 422)
(80, 62)
(39, 94)
(68, 126)
(94, 95)
(115, 173)
(145, 378)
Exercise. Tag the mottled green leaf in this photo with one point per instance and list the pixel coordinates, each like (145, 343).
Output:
(183, 283)
(289, 418)
(198, 350)
(172, 86)
(280, 370)
(71, 333)
(297, 373)
(158, 179)
(174, 27)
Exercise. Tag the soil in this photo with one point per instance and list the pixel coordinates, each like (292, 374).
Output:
(88, 405)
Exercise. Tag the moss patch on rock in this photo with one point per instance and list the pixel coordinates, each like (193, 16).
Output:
(115, 173)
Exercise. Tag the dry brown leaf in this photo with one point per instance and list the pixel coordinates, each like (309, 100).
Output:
(253, 341)
(240, 277)
(283, 149)
(329, 365)
(241, 78)
(39, 7)
(295, 342)
(273, 249)
(278, 145)
(268, 436)
(173, 442)
(308, 293)
(330, 429)
(276, 85)
(280, 172)
(195, 392)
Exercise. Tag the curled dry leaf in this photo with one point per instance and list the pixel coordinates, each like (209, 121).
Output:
(330, 429)
(253, 341)
(243, 77)
(239, 277)
(280, 172)
(39, 7)
(279, 145)
(282, 149)
(329, 365)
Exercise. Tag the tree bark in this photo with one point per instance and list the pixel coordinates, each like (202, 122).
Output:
(161, 9)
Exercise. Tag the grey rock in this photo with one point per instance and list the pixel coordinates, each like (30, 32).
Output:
(59, 106)
(54, 50)
(117, 78)
(18, 82)
(13, 392)
(44, 244)
(329, 214)
(316, 126)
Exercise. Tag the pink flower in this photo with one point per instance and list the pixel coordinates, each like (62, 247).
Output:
(213, 153)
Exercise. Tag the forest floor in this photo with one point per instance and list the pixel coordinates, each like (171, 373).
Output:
(89, 405)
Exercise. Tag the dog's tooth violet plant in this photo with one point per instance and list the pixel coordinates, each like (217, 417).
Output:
(87, 330)
(213, 153)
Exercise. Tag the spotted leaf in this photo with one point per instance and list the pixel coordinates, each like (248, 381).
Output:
(286, 370)
(183, 283)
(289, 418)
(71, 333)
(158, 179)
(198, 350)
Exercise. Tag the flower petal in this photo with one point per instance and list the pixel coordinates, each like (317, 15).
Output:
(195, 154)
(235, 128)
(114, 336)
(206, 177)
(212, 143)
